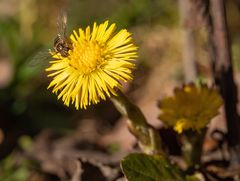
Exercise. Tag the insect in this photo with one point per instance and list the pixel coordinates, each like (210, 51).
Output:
(61, 44)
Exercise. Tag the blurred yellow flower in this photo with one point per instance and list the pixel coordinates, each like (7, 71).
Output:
(191, 107)
(99, 60)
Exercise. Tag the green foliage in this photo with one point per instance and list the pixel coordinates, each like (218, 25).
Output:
(142, 167)
(15, 167)
(25, 142)
(145, 11)
(125, 13)
(10, 170)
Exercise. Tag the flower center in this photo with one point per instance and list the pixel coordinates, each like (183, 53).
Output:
(86, 56)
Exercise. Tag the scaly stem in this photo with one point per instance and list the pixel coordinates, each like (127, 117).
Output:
(148, 138)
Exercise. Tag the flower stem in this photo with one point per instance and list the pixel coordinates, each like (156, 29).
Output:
(192, 147)
(148, 138)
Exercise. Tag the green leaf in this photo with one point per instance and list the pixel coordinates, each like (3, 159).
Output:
(142, 167)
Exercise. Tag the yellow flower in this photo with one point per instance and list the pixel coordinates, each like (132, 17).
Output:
(191, 107)
(95, 67)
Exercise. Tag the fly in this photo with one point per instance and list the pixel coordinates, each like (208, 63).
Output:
(61, 44)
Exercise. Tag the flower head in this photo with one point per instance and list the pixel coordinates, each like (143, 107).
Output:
(191, 107)
(95, 67)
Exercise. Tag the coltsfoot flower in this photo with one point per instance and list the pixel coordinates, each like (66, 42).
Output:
(98, 62)
(191, 107)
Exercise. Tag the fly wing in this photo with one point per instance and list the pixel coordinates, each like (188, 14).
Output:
(41, 57)
(62, 23)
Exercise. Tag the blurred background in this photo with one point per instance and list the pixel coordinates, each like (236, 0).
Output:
(37, 132)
